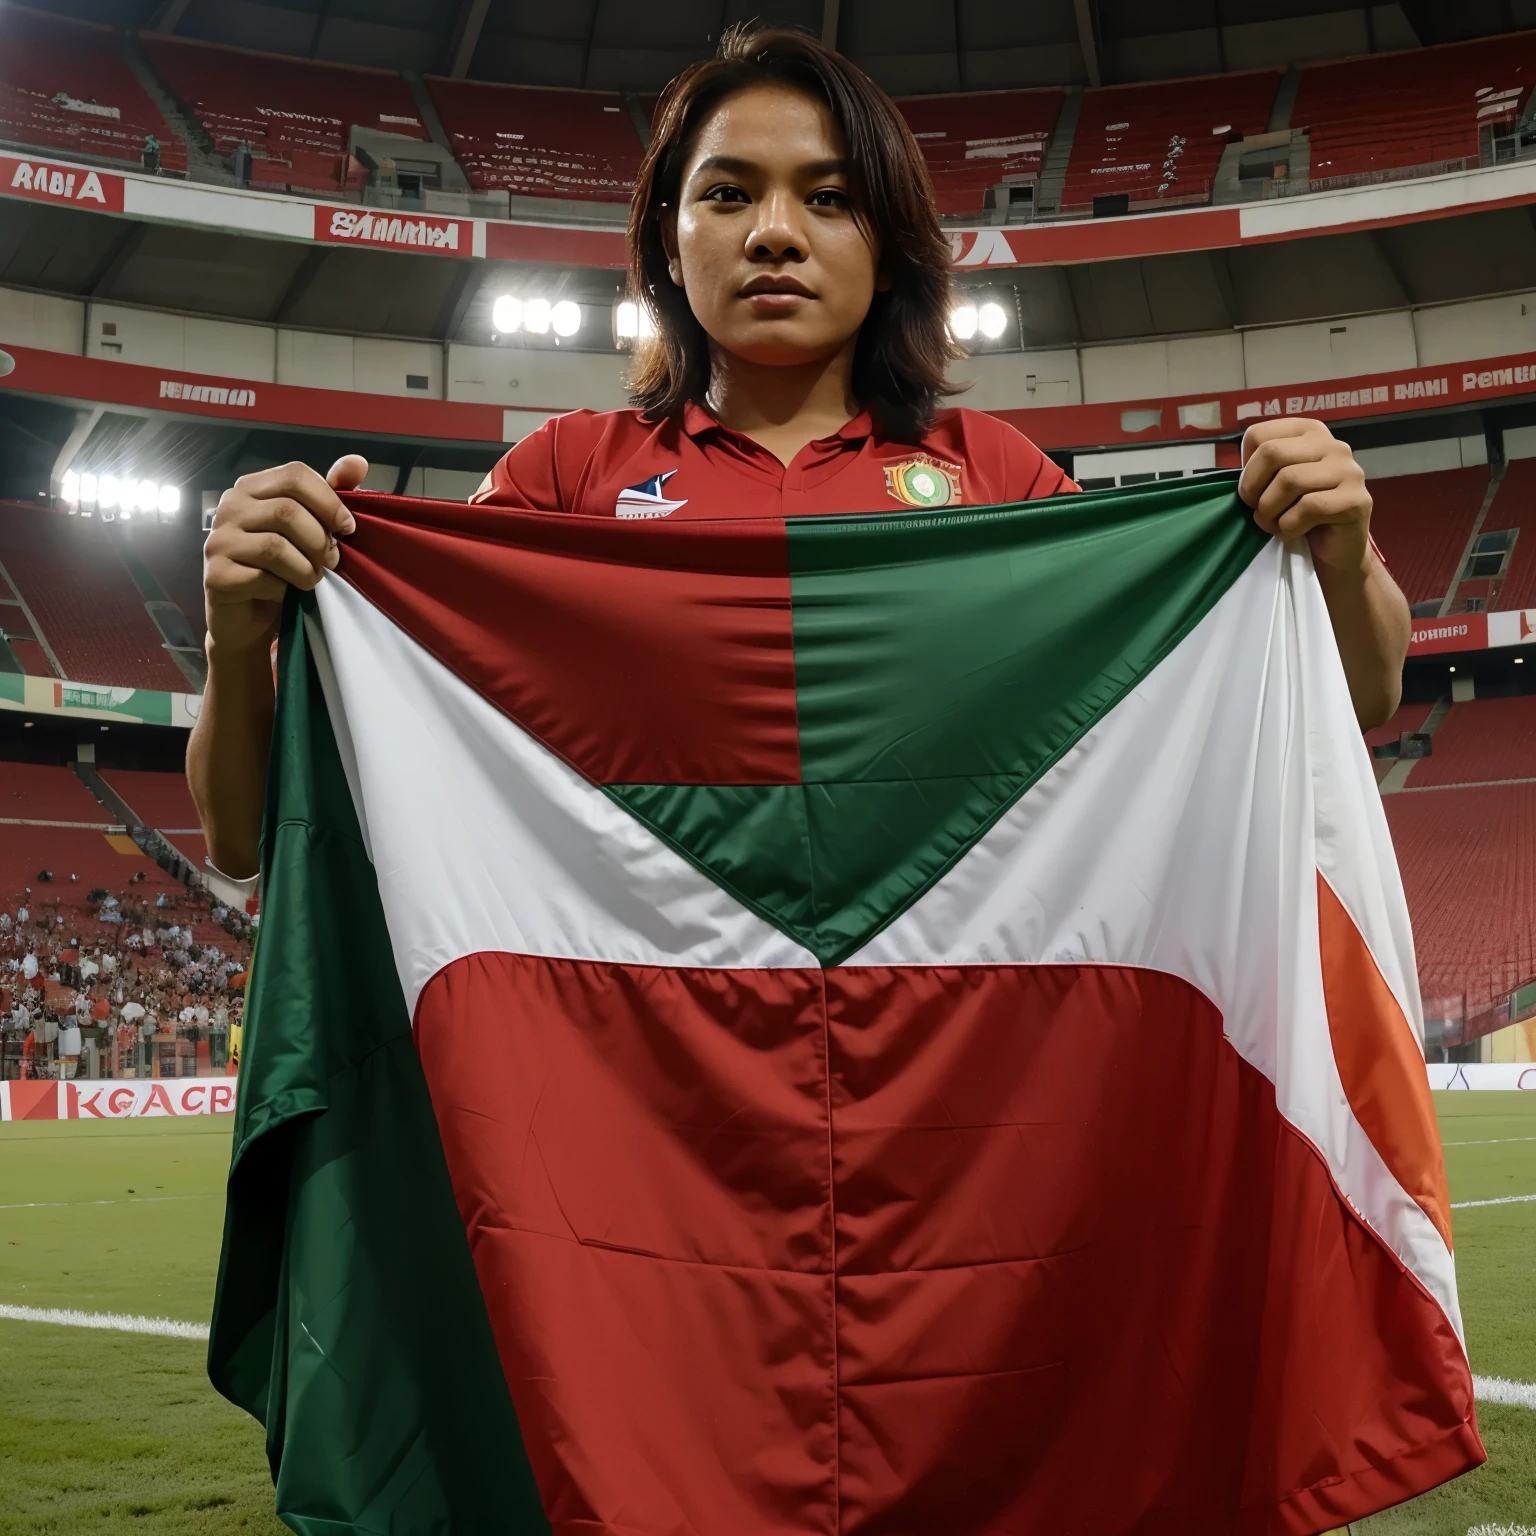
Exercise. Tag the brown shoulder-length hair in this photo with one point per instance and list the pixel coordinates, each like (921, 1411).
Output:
(904, 344)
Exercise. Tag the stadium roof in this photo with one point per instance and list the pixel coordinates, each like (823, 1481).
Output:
(910, 46)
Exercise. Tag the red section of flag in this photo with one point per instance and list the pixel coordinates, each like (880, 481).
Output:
(921, 1249)
(662, 655)
(1380, 1062)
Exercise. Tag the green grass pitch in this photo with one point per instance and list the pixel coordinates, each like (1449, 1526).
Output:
(106, 1433)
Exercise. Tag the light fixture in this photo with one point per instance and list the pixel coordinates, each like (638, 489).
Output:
(992, 319)
(87, 491)
(507, 314)
(69, 490)
(168, 502)
(1453, 669)
(537, 314)
(565, 317)
(107, 492)
(149, 496)
(632, 322)
(962, 321)
(1519, 660)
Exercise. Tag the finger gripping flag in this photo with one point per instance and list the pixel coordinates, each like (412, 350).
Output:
(846, 1025)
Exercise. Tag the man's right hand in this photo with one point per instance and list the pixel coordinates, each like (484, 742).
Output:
(274, 529)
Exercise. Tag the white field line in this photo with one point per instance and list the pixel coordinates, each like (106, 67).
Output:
(54, 1205)
(120, 1322)
(1467, 1205)
(1501, 1530)
(1497, 1141)
(1512, 1394)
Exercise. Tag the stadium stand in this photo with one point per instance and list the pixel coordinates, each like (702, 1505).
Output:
(43, 792)
(1409, 717)
(296, 116)
(160, 800)
(175, 561)
(972, 142)
(1162, 142)
(82, 597)
(1514, 507)
(65, 85)
(1411, 109)
(536, 142)
(1421, 524)
(1480, 742)
(163, 801)
(1468, 857)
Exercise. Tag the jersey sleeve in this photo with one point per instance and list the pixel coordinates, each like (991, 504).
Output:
(543, 472)
(526, 476)
(1028, 473)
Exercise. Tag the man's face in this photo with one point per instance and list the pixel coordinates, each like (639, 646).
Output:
(764, 240)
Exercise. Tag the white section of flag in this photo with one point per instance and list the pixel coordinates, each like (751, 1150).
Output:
(483, 840)
(1184, 834)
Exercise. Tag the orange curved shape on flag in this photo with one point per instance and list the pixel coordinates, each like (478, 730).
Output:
(1380, 1063)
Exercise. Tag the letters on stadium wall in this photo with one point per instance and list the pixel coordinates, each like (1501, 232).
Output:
(1105, 424)
(169, 200)
(1473, 631)
(395, 231)
(117, 1099)
(93, 701)
(45, 181)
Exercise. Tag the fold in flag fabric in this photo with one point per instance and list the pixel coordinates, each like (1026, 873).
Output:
(889, 1024)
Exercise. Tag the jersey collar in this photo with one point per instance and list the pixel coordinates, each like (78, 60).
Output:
(697, 421)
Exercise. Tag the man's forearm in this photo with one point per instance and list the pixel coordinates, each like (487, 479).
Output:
(227, 757)
(1372, 626)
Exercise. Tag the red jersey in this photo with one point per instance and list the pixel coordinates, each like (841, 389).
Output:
(617, 464)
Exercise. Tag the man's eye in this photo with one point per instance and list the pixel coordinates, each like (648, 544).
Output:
(726, 194)
(830, 197)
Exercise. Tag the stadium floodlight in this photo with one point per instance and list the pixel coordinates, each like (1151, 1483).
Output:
(962, 321)
(87, 491)
(507, 314)
(992, 319)
(107, 492)
(69, 490)
(149, 495)
(565, 317)
(537, 314)
(169, 502)
(632, 322)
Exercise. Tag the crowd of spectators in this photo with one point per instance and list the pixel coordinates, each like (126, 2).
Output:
(132, 984)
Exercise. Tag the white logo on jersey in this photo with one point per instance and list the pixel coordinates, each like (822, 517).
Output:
(646, 499)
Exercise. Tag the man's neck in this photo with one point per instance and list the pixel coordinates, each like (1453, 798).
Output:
(784, 408)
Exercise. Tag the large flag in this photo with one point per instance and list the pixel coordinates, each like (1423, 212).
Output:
(890, 1024)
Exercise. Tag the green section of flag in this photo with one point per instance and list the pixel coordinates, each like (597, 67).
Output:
(943, 662)
(348, 1317)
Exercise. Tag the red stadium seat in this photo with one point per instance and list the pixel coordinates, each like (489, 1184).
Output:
(48, 62)
(540, 143)
(160, 800)
(1421, 524)
(1162, 142)
(70, 575)
(44, 792)
(1466, 857)
(297, 116)
(1515, 507)
(972, 142)
(1407, 109)
(1481, 742)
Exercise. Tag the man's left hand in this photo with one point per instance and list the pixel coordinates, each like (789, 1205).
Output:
(1300, 479)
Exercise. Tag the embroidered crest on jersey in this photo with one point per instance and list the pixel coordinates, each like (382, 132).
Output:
(646, 499)
(923, 482)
